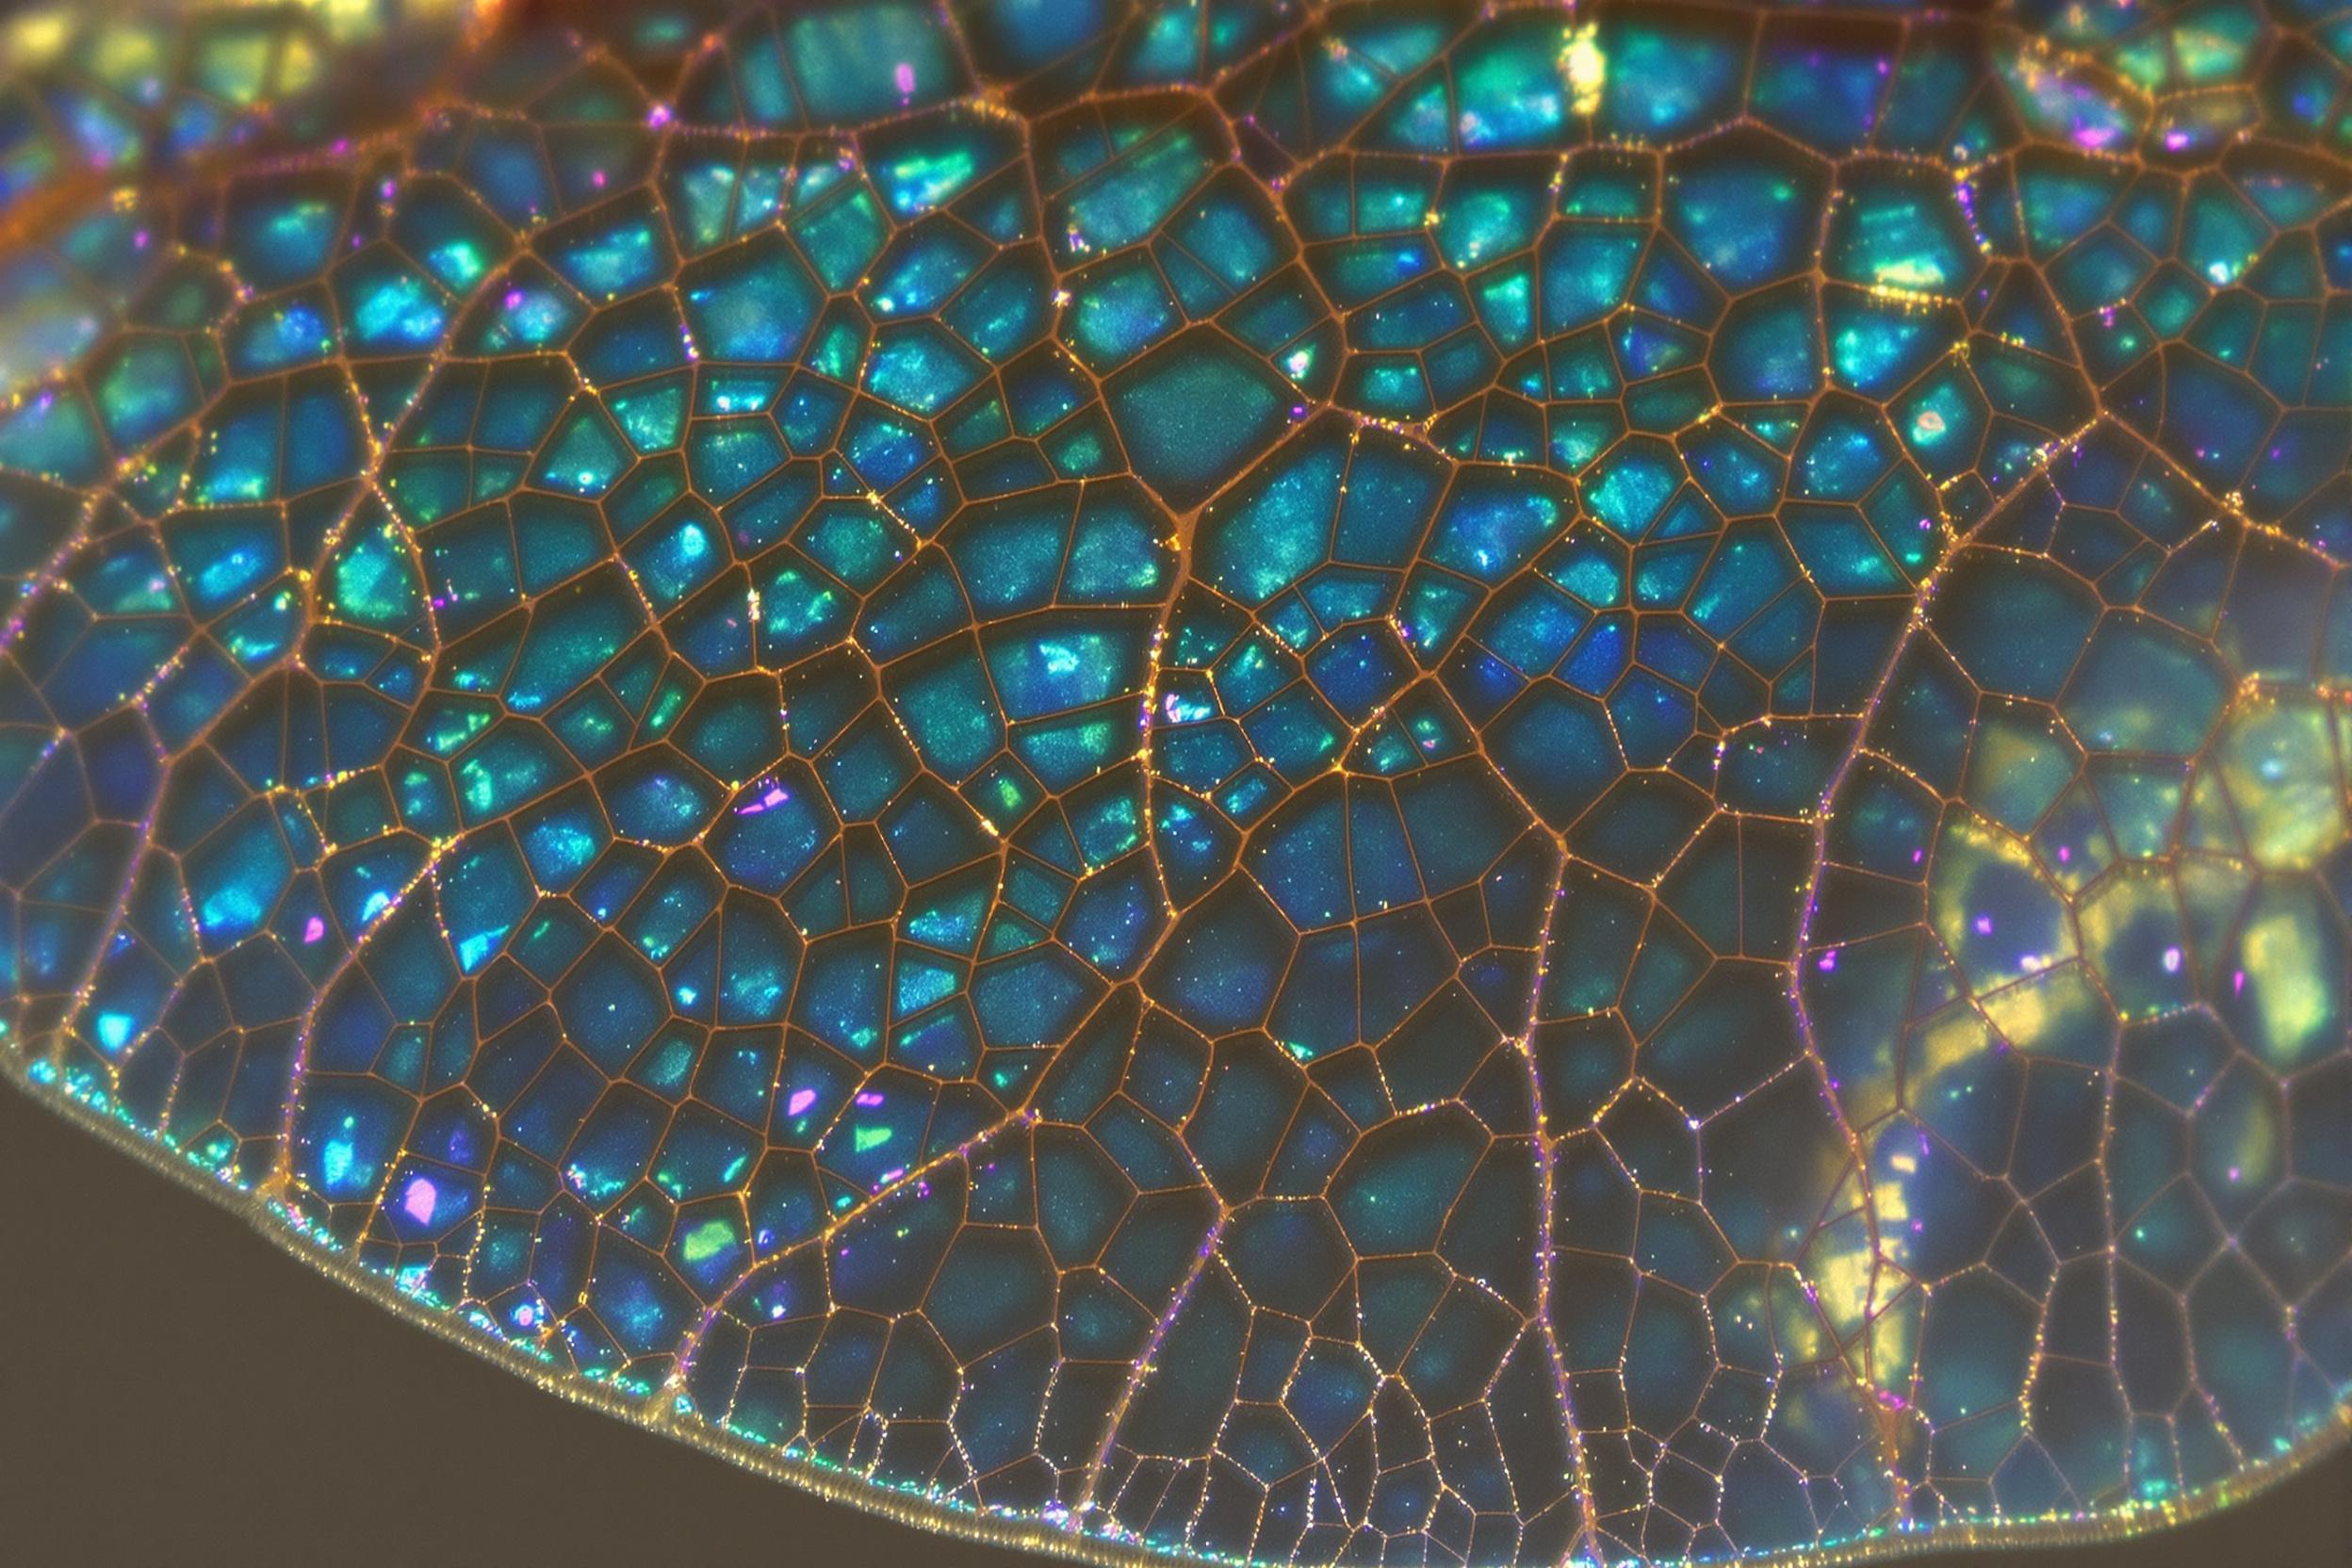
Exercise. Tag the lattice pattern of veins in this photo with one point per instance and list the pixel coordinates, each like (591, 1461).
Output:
(1375, 783)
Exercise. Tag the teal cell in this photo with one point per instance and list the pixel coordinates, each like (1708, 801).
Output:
(729, 456)
(284, 230)
(1492, 521)
(572, 634)
(920, 370)
(1942, 421)
(881, 60)
(1488, 211)
(1264, 534)
(1839, 551)
(1509, 88)
(950, 717)
(370, 579)
(2233, 416)
(754, 301)
(1551, 723)
(347, 1131)
(1357, 673)
(1057, 667)
(1220, 966)
(282, 334)
(486, 891)
(2113, 702)
(1667, 73)
(1843, 449)
(534, 310)
(1529, 625)
(1746, 207)
(626, 249)
(1123, 307)
(658, 796)
(650, 415)
(221, 558)
(1629, 488)
(1194, 412)
(1826, 90)
(631, 339)
(442, 225)
(1122, 201)
(1898, 227)
(142, 388)
(585, 454)
(1747, 571)
(1584, 270)
(1987, 1329)
(1118, 548)
(926, 165)
(1877, 344)
(611, 1004)
(511, 766)
(675, 555)
(1770, 346)
(1394, 1193)
(386, 306)
(1005, 308)
(243, 867)
(2016, 625)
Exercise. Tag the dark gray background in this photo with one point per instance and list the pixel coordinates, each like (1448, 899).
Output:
(176, 1390)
